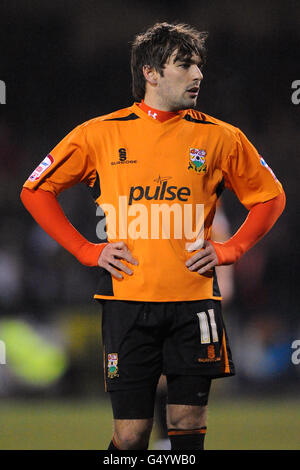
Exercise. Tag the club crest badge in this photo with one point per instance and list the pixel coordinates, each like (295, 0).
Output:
(197, 160)
(112, 365)
(211, 352)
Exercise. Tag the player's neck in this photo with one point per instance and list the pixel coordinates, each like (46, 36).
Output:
(157, 114)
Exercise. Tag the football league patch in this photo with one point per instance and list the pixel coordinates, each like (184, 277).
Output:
(264, 163)
(43, 166)
(112, 365)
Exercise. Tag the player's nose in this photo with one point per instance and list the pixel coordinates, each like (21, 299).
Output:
(196, 73)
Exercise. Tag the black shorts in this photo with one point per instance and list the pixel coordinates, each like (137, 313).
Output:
(142, 340)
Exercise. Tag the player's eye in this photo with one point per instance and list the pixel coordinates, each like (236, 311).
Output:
(185, 65)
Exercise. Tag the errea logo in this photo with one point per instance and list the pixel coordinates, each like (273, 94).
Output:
(122, 157)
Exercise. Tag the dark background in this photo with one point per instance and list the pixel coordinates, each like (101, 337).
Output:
(64, 62)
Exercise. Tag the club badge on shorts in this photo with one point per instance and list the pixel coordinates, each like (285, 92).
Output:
(112, 365)
(211, 352)
(197, 160)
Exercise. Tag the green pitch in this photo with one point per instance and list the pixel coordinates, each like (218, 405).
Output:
(84, 425)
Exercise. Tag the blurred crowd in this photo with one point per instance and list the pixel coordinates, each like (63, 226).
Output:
(67, 62)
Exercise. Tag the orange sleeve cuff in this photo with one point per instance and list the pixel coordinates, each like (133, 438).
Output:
(45, 209)
(259, 221)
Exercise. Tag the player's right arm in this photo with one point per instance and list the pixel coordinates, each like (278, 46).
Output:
(68, 164)
(47, 212)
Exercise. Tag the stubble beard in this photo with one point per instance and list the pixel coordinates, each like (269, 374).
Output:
(185, 104)
(175, 104)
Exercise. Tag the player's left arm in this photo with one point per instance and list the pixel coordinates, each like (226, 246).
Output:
(258, 223)
(247, 174)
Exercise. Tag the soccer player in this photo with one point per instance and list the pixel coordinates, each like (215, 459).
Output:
(157, 169)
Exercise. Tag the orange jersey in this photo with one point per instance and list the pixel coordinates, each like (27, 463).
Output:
(158, 184)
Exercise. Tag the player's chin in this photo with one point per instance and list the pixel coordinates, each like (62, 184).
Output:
(189, 103)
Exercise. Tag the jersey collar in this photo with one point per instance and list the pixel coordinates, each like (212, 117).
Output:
(161, 116)
(165, 117)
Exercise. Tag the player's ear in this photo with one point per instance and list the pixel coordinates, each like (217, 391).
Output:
(150, 74)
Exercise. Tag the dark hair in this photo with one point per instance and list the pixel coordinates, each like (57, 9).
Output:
(157, 44)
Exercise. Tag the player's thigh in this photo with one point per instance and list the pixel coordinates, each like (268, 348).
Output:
(133, 404)
(132, 345)
(133, 411)
(197, 343)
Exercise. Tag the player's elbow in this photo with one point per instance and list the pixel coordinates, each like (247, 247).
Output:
(28, 198)
(282, 201)
(279, 203)
(23, 194)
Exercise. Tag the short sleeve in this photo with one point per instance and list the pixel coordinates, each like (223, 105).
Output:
(67, 164)
(247, 174)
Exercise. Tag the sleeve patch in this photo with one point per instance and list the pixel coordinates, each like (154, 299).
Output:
(264, 163)
(41, 168)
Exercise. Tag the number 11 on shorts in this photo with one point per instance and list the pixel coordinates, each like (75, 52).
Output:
(204, 321)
